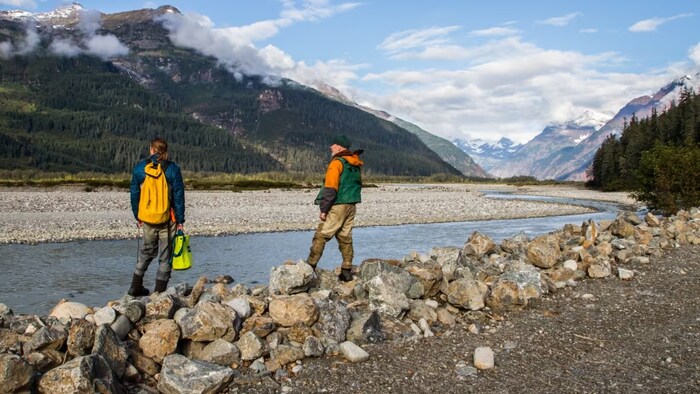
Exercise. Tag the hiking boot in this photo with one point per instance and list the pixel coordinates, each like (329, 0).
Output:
(161, 286)
(345, 275)
(137, 289)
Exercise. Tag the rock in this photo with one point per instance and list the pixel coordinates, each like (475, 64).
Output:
(106, 315)
(86, 374)
(429, 274)
(333, 320)
(160, 339)
(464, 370)
(544, 251)
(483, 358)
(15, 374)
(161, 307)
(251, 346)
(261, 326)
(289, 310)
(425, 327)
(516, 287)
(291, 278)
(570, 265)
(622, 228)
(366, 328)
(313, 347)
(220, 352)
(121, 326)
(46, 338)
(133, 310)
(601, 269)
(111, 348)
(445, 317)
(419, 310)
(241, 306)
(81, 338)
(285, 354)
(181, 375)
(209, 321)
(197, 291)
(353, 353)
(478, 245)
(515, 245)
(629, 217)
(467, 294)
(447, 259)
(299, 332)
(144, 364)
(67, 311)
(625, 274)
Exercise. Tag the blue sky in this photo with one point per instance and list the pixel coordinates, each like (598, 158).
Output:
(468, 69)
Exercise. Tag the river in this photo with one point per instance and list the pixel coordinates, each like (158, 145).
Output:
(35, 277)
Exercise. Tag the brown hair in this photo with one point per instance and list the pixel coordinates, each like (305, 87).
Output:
(160, 146)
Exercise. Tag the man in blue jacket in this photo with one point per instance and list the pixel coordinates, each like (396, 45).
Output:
(158, 229)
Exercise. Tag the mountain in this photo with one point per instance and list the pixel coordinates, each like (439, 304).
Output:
(489, 155)
(571, 163)
(553, 138)
(84, 91)
(446, 150)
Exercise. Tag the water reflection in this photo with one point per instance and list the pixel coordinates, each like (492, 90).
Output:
(35, 277)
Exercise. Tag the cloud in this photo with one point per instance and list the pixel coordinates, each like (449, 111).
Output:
(694, 54)
(591, 30)
(65, 47)
(560, 20)
(31, 4)
(105, 46)
(409, 40)
(647, 25)
(26, 45)
(515, 89)
(494, 32)
(235, 48)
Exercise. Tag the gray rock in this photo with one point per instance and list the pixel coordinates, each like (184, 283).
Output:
(81, 338)
(106, 315)
(111, 348)
(241, 306)
(15, 374)
(121, 326)
(420, 310)
(133, 310)
(447, 259)
(429, 274)
(181, 375)
(86, 374)
(208, 321)
(313, 347)
(366, 328)
(353, 353)
(291, 278)
(333, 320)
(251, 346)
(483, 358)
(220, 352)
(46, 338)
(45, 360)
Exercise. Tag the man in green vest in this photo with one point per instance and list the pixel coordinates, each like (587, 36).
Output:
(340, 192)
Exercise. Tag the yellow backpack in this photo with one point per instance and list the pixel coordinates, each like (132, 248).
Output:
(154, 201)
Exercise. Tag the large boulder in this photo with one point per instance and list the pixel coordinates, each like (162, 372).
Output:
(86, 374)
(66, 311)
(209, 321)
(291, 278)
(182, 375)
(429, 274)
(160, 339)
(544, 251)
(467, 293)
(290, 310)
(478, 245)
(516, 287)
(15, 374)
(81, 338)
(111, 348)
(333, 320)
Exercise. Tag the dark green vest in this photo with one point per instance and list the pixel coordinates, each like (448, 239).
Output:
(350, 188)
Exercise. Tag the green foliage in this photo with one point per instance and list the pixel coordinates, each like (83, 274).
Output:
(656, 158)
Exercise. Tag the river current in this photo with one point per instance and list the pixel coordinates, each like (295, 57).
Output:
(35, 277)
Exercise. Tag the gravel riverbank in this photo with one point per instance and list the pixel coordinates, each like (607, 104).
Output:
(33, 215)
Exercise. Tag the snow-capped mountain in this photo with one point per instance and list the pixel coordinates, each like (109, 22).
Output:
(553, 138)
(488, 154)
(571, 163)
(63, 17)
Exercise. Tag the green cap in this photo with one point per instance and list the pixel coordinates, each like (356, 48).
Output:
(341, 140)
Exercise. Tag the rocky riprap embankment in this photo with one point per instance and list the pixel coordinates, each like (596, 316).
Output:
(221, 338)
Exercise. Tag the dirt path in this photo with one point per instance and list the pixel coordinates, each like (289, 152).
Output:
(603, 336)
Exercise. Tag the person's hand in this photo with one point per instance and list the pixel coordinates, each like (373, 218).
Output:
(139, 224)
(180, 227)
(323, 216)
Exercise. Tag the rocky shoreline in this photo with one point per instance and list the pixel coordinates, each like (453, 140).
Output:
(66, 214)
(215, 338)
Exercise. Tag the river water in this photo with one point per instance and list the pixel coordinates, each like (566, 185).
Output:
(35, 277)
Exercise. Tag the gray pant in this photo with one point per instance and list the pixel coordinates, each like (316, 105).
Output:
(153, 236)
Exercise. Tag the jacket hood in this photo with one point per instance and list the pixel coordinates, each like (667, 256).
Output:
(352, 157)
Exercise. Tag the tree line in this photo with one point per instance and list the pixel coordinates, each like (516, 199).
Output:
(656, 158)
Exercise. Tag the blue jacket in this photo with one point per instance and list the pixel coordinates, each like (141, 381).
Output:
(175, 185)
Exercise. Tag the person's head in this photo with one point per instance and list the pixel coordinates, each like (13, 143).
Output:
(339, 143)
(159, 147)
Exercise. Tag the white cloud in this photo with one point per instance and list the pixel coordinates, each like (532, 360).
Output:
(560, 20)
(65, 47)
(694, 54)
(651, 24)
(20, 3)
(105, 46)
(494, 32)
(407, 40)
(590, 30)
(26, 45)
